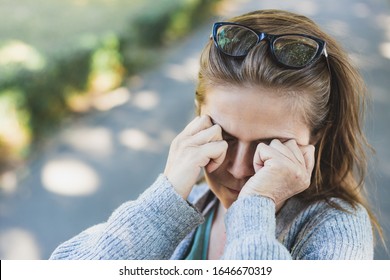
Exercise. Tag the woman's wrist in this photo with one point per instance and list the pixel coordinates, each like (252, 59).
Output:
(250, 214)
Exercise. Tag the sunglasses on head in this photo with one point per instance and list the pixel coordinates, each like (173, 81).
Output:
(295, 51)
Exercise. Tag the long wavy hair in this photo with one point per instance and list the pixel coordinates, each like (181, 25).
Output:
(333, 101)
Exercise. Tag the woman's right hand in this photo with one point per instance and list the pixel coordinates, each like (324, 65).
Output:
(199, 145)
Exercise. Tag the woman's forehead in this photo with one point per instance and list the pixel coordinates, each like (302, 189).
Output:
(252, 113)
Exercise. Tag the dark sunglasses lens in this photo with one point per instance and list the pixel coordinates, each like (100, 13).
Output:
(295, 51)
(235, 40)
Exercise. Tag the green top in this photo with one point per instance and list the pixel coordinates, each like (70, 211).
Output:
(200, 243)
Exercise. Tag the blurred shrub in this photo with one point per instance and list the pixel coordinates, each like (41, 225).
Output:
(39, 89)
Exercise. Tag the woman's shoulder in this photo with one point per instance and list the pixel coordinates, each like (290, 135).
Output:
(301, 216)
(325, 208)
(336, 207)
(318, 228)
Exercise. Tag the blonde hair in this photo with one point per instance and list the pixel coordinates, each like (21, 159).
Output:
(334, 101)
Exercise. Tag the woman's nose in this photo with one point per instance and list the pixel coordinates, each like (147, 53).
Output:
(241, 161)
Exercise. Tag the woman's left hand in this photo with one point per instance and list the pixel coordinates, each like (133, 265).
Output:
(282, 170)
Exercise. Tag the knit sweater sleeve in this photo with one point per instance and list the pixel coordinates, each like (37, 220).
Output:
(250, 231)
(148, 228)
(319, 233)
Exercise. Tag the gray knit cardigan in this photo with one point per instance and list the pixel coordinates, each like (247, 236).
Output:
(160, 225)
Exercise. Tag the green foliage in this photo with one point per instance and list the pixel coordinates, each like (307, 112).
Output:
(39, 74)
(15, 120)
(106, 65)
(191, 14)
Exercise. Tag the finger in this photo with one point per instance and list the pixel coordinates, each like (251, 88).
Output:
(216, 153)
(263, 153)
(293, 146)
(286, 151)
(213, 133)
(198, 124)
(308, 154)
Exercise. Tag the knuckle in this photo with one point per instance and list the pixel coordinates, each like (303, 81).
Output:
(291, 141)
(217, 128)
(184, 142)
(261, 146)
(305, 181)
(205, 119)
(180, 143)
(299, 176)
(175, 141)
(224, 144)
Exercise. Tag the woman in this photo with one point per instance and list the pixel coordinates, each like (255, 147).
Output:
(279, 137)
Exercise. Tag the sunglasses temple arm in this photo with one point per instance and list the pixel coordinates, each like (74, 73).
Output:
(327, 60)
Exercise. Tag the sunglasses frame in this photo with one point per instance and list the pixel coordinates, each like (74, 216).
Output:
(271, 39)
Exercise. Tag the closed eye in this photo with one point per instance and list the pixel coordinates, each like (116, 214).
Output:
(230, 138)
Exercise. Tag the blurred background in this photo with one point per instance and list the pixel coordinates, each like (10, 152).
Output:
(93, 91)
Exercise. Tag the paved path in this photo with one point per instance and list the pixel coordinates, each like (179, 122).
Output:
(99, 161)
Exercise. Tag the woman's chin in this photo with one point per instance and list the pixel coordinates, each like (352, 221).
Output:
(228, 199)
